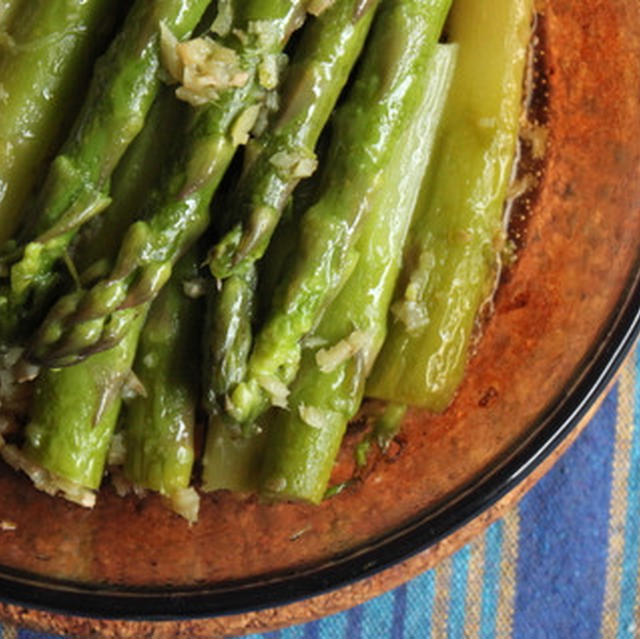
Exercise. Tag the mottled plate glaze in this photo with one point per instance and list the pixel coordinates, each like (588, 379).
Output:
(565, 315)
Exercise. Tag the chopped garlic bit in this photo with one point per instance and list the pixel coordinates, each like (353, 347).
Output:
(266, 32)
(120, 483)
(328, 359)
(195, 288)
(268, 72)
(410, 310)
(202, 67)
(132, 386)
(47, 481)
(276, 389)
(117, 450)
(316, 417)
(169, 53)
(244, 123)
(296, 163)
(186, 503)
(8, 526)
(412, 314)
(224, 19)
(275, 484)
(316, 7)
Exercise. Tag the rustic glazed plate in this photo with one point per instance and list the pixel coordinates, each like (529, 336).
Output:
(565, 315)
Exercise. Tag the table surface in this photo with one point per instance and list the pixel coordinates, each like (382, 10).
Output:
(562, 565)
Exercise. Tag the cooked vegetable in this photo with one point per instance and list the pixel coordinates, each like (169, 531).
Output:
(124, 85)
(284, 153)
(452, 258)
(353, 245)
(230, 460)
(278, 160)
(367, 128)
(303, 440)
(76, 408)
(48, 45)
(74, 414)
(159, 425)
(81, 324)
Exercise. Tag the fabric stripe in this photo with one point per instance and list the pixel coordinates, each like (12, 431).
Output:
(629, 585)
(399, 612)
(561, 565)
(508, 577)
(312, 630)
(333, 627)
(460, 572)
(619, 501)
(490, 591)
(441, 600)
(475, 589)
(420, 603)
(294, 632)
(354, 623)
(378, 614)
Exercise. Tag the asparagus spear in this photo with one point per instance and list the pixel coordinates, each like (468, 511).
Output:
(283, 155)
(304, 440)
(74, 414)
(133, 180)
(43, 60)
(453, 257)
(75, 409)
(317, 73)
(159, 426)
(230, 315)
(231, 461)
(83, 323)
(367, 129)
(124, 85)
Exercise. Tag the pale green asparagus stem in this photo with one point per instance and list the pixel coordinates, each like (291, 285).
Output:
(125, 83)
(85, 322)
(368, 127)
(453, 259)
(303, 440)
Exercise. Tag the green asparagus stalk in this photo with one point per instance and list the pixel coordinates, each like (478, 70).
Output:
(83, 323)
(159, 426)
(231, 461)
(284, 154)
(229, 325)
(367, 130)
(43, 60)
(303, 441)
(76, 408)
(453, 257)
(278, 159)
(133, 180)
(74, 414)
(125, 83)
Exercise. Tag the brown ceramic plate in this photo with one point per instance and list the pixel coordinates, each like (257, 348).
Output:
(565, 316)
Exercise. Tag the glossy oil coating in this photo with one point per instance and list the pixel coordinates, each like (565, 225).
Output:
(580, 249)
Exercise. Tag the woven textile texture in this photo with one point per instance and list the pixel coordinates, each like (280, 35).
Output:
(563, 565)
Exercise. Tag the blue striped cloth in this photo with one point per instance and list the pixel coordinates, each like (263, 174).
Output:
(563, 565)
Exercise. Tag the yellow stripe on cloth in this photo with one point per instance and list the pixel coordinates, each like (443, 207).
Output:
(508, 568)
(474, 591)
(618, 501)
(9, 632)
(440, 612)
